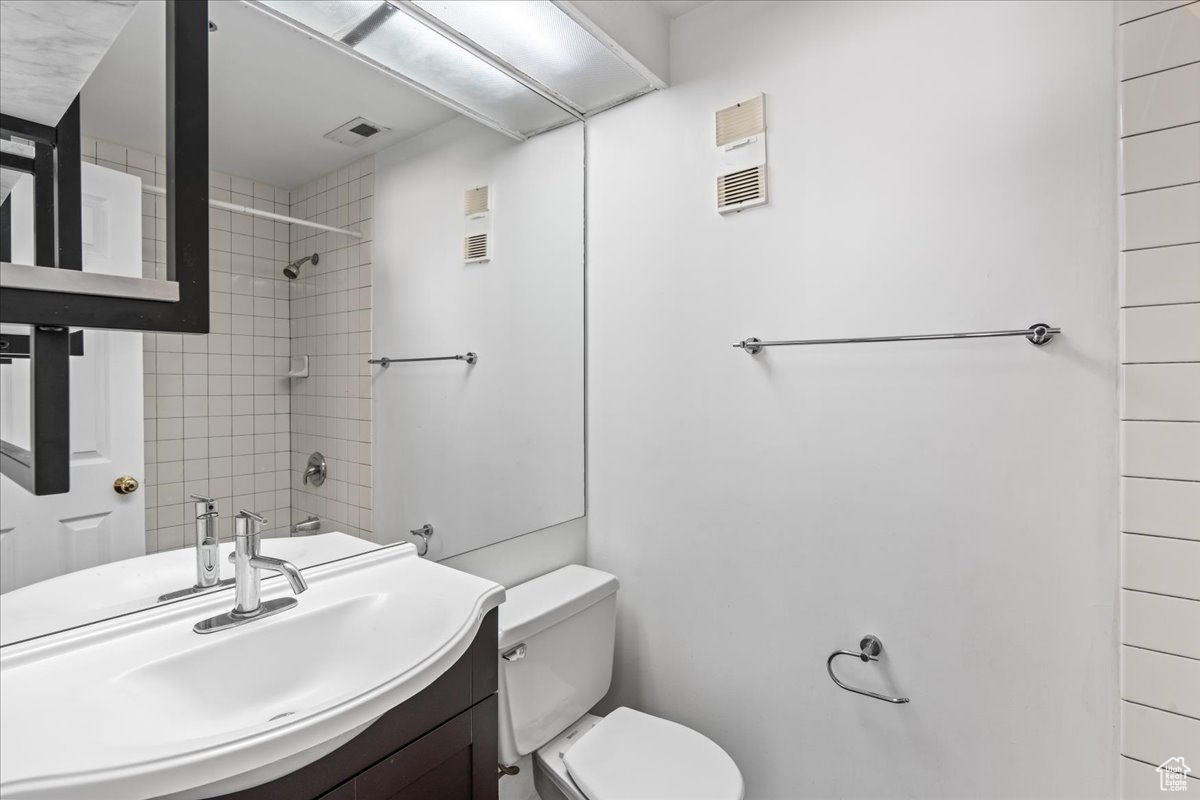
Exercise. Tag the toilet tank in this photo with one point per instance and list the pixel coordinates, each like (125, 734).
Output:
(556, 654)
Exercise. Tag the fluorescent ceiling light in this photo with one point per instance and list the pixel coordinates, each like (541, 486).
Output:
(520, 66)
(537, 38)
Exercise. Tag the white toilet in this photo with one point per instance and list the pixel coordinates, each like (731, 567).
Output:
(556, 656)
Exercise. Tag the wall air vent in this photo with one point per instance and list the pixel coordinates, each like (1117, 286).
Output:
(741, 139)
(356, 131)
(477, 233)
(742, 188)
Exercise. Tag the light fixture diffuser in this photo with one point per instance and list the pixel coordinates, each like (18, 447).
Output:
(519, 66)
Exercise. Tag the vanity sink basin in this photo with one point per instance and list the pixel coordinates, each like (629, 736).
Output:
(108, 590)
(142, 707)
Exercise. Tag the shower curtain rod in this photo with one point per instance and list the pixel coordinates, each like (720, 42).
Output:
(254, 212)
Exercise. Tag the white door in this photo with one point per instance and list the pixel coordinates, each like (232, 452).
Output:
(41, 537)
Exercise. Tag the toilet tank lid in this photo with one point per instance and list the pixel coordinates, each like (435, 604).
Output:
(535, 605)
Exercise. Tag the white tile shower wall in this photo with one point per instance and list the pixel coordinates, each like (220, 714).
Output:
(933, 166)
(216, 407)
(331, 323)
(1160, 382)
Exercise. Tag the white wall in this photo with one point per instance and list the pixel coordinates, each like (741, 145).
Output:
(933, 167)
(494, 450)
(1160, 399)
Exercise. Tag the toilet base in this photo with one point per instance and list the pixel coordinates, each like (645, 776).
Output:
(550, 776)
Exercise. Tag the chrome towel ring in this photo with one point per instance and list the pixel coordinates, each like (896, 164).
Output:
(869, 649)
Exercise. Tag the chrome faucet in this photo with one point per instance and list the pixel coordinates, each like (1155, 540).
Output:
(208, 538)
(247, 561)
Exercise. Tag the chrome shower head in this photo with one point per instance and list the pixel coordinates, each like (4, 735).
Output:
(292, 270)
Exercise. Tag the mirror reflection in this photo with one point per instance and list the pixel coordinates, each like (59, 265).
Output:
(353, 216)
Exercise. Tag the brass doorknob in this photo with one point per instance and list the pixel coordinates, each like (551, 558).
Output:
(126, 484)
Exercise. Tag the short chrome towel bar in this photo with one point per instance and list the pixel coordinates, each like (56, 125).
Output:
(1038, 334)
(869, 649)
(470, 358)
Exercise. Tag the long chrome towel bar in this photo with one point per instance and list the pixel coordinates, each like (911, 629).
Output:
(1038, 334)
(869, 649)
(470, 358)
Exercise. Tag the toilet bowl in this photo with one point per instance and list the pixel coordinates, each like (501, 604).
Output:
(557, 635)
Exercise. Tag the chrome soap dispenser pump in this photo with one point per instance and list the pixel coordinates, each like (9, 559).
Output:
(208, 539)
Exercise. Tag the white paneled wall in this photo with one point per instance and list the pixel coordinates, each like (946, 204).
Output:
(216, 406)
(1160, 391)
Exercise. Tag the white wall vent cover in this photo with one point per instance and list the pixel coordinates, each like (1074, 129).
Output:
(741, 132)
(477, 234)
(356, 131)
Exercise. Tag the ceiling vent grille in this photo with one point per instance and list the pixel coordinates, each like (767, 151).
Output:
(477, 226)
(741, 137)
(356, 131)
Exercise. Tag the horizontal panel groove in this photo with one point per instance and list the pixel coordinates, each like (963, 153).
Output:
(1162, 710)
(1157, 478)
(1160, 11)
(1168, 215)
(1141, 363)
(1157, 246)
(1156, 536)
(1167, 421)
(1157, 188)
(1159, 536)
(1160, 652)
(1158, 594)
(1160, 305)
(1157, 130)
(1148, 764)
(1161, 565)
(1160, 71)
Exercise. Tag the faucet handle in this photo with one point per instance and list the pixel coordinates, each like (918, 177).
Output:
(204, 505)
(247, 523)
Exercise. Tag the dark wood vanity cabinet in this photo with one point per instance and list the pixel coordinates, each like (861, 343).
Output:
(440, 744)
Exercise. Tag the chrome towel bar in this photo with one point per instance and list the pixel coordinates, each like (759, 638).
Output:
(869, 649)
(470, 358)
(1039, 334)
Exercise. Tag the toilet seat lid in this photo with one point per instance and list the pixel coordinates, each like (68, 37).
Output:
(634, 756)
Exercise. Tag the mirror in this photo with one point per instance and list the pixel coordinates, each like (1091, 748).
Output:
(483, 452)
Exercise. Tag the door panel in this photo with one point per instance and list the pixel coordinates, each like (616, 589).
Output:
(41, 537)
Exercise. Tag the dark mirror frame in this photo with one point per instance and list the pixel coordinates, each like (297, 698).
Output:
(45, 467)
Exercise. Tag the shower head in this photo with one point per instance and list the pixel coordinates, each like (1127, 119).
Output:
(292, 270)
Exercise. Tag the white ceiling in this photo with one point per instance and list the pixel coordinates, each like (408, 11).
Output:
(675, 8)
(273, 93)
